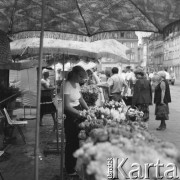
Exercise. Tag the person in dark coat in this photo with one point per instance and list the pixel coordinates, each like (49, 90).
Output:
(142, 96)
(162, 97)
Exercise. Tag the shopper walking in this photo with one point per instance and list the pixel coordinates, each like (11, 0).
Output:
(142, 96)
(115, 85)
(73, 103)
(162, 97)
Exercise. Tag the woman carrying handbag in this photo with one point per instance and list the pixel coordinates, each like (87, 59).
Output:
(162, 97)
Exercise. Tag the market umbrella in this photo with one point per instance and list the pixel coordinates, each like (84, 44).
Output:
(85, 18)
(88, 17)
(85, 65)
(111, 48)
(68, 66)
(52, 46)
(108, 48)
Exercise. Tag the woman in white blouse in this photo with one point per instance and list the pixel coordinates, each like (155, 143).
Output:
(73, 103)
(47, 105)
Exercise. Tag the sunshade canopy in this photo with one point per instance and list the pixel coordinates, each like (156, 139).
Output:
(68, 66)
(109, 48)
(88, 17)
(24, 64)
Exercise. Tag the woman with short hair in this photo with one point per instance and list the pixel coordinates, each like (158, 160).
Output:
(73, 104)
(47, 104)
(162, 97)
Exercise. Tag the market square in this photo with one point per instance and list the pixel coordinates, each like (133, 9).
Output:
(89, 90)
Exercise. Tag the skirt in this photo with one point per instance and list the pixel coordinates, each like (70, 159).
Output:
(162, 113)
(47, 105)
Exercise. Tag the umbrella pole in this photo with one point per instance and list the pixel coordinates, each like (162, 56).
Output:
(57, 111)
(62, 131)
(55, 78)
(37, 155)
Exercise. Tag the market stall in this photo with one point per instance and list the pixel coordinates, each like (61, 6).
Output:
(114, 134)
(108, 48)
(66, 52)
(85, 18)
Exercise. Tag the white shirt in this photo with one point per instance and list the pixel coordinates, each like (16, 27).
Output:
(116, 82)
(74, 93)
(96, 78)
(151, 75)
(123, 75)
(167, 75)
(58, 77)
(130, 76)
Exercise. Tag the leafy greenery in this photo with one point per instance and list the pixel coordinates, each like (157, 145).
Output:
(9, 93)
(90, 94)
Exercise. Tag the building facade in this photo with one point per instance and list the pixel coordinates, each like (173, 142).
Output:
(152, 53)
(162, 51)
(155, 52)
(130, 40)
(172, 48)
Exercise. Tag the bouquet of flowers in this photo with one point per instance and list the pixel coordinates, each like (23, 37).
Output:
(114, 104)
(134, 114)
(99, 117)
(90, 94)
(92, 121)
(129, 140)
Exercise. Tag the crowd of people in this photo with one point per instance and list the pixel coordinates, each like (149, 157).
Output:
(136, 85)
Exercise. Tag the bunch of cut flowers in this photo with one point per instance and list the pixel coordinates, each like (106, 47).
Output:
(90, 94)
(99, 117)
(92, 121)
(134, 114)
(129, 140)
(114, 104)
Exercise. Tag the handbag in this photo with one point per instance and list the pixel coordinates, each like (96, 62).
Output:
(162, 112)
(127, 100)
(131, 116)
(145, 109)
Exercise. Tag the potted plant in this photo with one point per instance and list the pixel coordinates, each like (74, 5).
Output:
(8, 97)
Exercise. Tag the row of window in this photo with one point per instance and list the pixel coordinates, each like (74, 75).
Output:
(172, 43)
(131, 56)
(171, 55)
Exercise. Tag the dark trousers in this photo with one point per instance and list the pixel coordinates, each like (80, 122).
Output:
(72, 141)
(116, 97)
